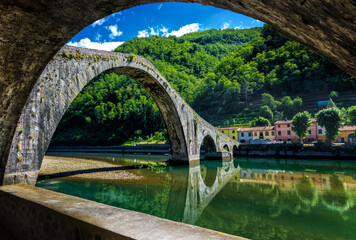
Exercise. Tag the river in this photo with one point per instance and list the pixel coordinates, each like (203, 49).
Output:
(249, 197)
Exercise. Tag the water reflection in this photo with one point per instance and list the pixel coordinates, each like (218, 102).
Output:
(273, 199)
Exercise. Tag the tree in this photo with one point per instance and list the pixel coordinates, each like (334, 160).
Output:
(330, 118)
(246, 89)
(333, 94)
(331, 104)
(266, 112)
(297, 104)
(351, 116)
(267, 99)
(300, 124)
(260, 121)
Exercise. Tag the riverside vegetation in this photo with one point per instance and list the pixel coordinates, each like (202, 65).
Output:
(223, 74)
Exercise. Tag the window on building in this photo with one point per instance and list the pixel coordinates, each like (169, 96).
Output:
(255, 133)
(242, 134)
(320, 131)
(279, 125)
(309, 131)
(222, 131)
(233, 137)
(288, 132)
(279, 133)
(272, 133)
(250, 134)
(266, 133)
(233, 131)
(288, 125)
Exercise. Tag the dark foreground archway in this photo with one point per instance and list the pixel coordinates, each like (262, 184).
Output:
(33, 31)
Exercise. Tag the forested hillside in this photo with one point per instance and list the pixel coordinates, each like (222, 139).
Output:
(218, 72)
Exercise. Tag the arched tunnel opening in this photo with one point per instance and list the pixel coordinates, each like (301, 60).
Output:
(207, 147)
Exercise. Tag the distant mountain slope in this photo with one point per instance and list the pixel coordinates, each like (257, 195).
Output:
(218, 72)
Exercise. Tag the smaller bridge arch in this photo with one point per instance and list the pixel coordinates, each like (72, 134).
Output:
(235, 149)
(207, 145)
(226, 148)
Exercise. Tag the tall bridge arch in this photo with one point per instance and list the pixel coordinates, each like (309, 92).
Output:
(32, 32)
(62, 80)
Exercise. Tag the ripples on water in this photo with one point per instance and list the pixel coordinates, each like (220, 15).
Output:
(249, 197)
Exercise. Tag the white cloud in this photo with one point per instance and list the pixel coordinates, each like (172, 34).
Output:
(164, 30)
(239, 27)
(87, 43)
(160, 6)
(226, 25)
(99, 22)
(114, 31)
(153, 32)
(184, 30)
(97, 37)
(142, 33)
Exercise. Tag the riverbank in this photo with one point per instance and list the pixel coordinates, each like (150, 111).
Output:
(297, 151)
(54, 164)
(134, 149)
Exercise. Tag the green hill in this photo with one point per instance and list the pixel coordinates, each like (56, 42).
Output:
(218, 72)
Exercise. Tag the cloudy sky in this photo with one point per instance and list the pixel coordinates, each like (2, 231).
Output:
(167, 19)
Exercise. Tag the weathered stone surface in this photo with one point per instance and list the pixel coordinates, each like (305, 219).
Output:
(61, 81)
(35, 213)
(31, 32)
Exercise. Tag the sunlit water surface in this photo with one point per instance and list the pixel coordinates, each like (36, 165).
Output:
(249, 197)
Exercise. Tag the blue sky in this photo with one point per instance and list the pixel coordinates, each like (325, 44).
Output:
(164, 19)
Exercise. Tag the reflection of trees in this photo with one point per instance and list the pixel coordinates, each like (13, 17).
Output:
(337, 198)
(306, 191)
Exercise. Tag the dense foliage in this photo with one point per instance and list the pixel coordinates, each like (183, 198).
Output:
(260, 122)
(301, 123)
(110, 109)
(330, 118)
(220, 73)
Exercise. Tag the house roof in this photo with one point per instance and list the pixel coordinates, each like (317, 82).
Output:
(348, 128)
(250, 129)
(228, 128)
(289, 121)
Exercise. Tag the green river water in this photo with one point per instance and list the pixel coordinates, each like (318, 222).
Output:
(249, 197)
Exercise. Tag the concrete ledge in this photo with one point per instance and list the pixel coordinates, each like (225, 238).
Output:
(34, 213)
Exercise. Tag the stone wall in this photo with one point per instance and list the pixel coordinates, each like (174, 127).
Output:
(34, 213)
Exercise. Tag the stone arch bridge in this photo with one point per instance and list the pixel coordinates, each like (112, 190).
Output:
(66, 75)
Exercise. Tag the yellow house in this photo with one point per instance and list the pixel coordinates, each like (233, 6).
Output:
(345, 131)
(230, 131)
(266, 132)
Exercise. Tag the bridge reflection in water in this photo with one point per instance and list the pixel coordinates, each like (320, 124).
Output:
(275, 199)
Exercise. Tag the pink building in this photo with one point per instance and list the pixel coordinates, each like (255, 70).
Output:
(283, 132)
